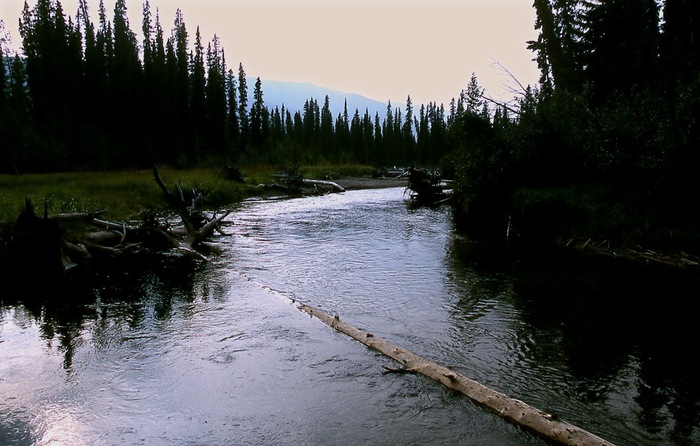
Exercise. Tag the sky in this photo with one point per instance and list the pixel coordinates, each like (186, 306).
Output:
(381, 49)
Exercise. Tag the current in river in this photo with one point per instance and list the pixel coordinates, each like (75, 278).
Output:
(180, 352)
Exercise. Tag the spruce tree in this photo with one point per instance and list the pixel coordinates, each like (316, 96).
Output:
(243, 114)
(680, 40)
(3, 65)
(326, 136)
(126, 85)
(197, 100)
(367, 139)
(256, 116)
(378, 157)
(408, 140)
(234, 133)
(621, 46)
(216, 98)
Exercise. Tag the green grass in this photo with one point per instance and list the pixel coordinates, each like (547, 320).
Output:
(124, 194)
(121, 194)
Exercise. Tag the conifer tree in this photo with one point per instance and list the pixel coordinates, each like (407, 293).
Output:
(367, 139)
(234, 133)
(178, 61)
(216, 98)
(408, 140)
(622, 44)
(126, 77)
(680, 40)
(256, 116)
(356, 138)
(243, 114)
(3, 65)
(326, 135)
(378, 157)
(473, 96)
(277, 131)
(388, 135)
(197, 99)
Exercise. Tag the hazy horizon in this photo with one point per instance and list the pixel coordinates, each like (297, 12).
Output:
(383, 50)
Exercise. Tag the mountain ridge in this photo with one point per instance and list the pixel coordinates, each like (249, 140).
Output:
(293, 95)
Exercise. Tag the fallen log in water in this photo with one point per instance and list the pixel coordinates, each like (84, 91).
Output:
(513, 410)
(335, 186)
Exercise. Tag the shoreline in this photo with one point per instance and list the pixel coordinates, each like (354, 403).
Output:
(357, 183)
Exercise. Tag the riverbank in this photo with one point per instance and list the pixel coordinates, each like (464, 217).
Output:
(125, 194)
(358, 183)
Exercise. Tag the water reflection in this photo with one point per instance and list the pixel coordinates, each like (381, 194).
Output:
(108, 293)
(619, 339)
(172, 351)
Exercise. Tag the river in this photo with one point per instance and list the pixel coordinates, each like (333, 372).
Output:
(180, 352)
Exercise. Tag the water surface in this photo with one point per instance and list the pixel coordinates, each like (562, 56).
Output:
(178, 352)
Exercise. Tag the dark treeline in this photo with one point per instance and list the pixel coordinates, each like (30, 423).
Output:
(91, 96)
(608, 144)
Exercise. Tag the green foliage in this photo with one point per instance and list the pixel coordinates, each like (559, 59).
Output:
(606, 146)
(122, 194)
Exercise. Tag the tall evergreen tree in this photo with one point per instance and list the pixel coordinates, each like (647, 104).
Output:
(243, 114)
(367, 139)
(234, 133)
(256, 116)
(126, 87)
(216, 98)
(177, 54)
(197, 99)
(3, 64)
(378, 141)
(622, 44)
(558, 45)
(473, 96)
(326, 136)
(407, 132)
(680, 41)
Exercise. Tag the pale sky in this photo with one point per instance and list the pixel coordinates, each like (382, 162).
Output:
(382, 49)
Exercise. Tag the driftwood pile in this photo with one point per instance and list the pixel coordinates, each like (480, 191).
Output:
(293, 183)
(428, 188)
(41, 246)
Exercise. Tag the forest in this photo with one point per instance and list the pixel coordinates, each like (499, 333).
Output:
(605, 146)
(87, 96)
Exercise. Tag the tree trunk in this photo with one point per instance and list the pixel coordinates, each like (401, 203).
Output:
(511, 409)
(331, 184)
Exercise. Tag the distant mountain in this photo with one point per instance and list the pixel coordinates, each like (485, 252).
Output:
(294, 94)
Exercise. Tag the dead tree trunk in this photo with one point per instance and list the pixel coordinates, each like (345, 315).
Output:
(335, 186)
(39, 246)
(191, 217)
(511, 409)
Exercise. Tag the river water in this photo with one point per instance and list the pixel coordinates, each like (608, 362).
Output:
(179, 352)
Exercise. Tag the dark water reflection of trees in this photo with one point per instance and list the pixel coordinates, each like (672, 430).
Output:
(598, 318)
(125, 293)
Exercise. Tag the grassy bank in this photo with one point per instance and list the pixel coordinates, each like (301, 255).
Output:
(124, 194)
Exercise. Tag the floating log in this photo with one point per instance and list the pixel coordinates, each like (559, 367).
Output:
(513, 410)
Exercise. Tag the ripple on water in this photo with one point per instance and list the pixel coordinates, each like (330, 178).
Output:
(218, 353)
